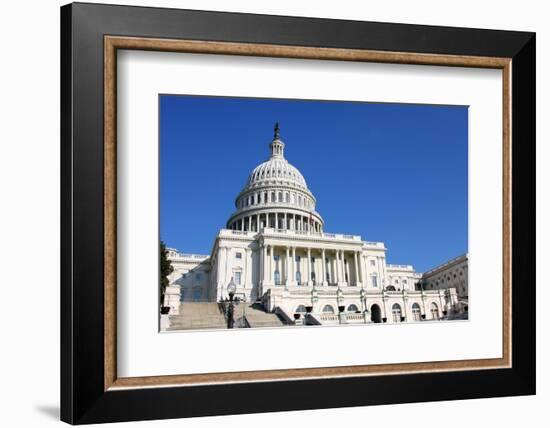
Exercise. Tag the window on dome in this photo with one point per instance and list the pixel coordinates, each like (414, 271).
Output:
(280, 196)
(265, 197)
(287, 199)
(273, 197)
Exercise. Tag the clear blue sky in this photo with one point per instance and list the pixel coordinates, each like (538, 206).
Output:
(394, 173)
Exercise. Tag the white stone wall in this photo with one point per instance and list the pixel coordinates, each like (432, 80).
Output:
(191, 276)
(402, 277)
(452, 274)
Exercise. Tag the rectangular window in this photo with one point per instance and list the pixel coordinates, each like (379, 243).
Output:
(238, 255)
(372, 262)
(198, 276)
(238, 278)
(374, 281)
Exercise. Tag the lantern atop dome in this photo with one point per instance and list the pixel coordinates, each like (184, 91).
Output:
(277, 146)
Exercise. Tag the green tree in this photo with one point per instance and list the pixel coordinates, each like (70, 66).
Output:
(166, 269)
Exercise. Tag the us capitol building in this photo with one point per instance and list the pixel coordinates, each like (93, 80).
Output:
(285, 265)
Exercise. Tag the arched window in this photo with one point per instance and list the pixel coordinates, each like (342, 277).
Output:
(396, 312)
(328, 309)
(353, 308)
(280, 196)
(273, 197)
(287, 197)
(298, 278)
(416, 312)
(434, 311)
(277, 277)
(300, 309)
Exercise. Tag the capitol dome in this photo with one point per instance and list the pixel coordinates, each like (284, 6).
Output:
(276, 196)
(278, 169)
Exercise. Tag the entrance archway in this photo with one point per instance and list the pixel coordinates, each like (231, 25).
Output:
(375, 314)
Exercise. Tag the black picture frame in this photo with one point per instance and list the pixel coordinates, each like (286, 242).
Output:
(83, 398)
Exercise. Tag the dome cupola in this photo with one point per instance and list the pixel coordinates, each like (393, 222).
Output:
(277, 146)
(276, 195)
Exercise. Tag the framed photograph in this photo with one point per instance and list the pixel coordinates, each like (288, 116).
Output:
(257, 207)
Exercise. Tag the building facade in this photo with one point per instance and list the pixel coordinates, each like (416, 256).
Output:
(277, 252)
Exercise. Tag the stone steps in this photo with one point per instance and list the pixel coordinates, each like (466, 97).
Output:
(197, 315)
(258, 317)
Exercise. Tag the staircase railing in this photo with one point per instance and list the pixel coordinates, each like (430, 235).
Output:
(283, 316)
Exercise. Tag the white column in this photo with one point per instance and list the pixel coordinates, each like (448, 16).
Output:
(363, 266)
(324, 269)
(356, 268)
(271, 269)
(293, 280)
(342, 268)
(261, 272)
(308, 266)
(336, 267)
(257, 222)
(287, 266)
(220, 274)
(242, 224)
(269, 275)
(276, 220)
(246, 267)
(347, 269)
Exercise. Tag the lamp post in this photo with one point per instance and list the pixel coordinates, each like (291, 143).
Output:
(340, 306)
(231, 288)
